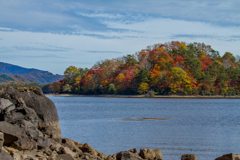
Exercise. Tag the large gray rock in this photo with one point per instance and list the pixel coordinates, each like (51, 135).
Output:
(48, 122)
(11, 132)
(229, 156)
(25, 118)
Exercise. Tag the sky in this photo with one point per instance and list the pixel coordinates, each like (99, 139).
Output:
(52, 35)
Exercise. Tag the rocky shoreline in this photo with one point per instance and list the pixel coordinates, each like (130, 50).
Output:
(29, 130)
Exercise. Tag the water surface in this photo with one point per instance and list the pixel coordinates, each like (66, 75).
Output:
(207, 128)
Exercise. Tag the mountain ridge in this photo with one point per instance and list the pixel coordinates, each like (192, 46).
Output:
(10, 72)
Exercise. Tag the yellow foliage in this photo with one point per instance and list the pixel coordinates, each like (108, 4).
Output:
(105, 83)
(157, 67)
(178, 77)
(155, 76)
(162, 60)
(183, 45)
(77, 80)
(120, 78)
(143, 88)
(202, 56)
(160, 49)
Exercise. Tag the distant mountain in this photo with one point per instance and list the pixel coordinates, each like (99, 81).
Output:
(9, 72)
(6, 68)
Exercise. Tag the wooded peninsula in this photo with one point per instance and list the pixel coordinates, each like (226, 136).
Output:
(173, 68)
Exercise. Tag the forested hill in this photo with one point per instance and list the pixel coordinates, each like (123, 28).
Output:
(165, 69)
(14, 74)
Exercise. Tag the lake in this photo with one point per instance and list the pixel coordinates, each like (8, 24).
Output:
(207, 128)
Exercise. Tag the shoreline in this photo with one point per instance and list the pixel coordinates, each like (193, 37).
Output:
(156, 96)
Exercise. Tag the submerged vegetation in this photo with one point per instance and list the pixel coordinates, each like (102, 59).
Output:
(164, 69)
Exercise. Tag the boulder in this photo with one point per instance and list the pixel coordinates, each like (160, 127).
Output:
(5, 156)
(229, 156)
(11, 132)
(48, 121)
(188, 157)
(126, 155)
(150, 154)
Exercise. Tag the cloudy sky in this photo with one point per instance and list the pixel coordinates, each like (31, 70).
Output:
(54, 34)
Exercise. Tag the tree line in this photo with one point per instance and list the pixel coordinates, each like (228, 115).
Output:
(163, 69)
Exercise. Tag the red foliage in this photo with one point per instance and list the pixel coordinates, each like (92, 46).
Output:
(179, 58)
(207, 61)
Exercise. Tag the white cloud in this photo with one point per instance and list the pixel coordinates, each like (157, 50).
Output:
(80, 30)
(83, 51)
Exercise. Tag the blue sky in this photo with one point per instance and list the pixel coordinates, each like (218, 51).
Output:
(54, 34)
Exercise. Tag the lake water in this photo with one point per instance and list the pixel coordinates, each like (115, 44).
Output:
(207, 128)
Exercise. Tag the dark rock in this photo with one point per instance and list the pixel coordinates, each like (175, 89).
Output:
(25, 118)
(188, 157)
(229, 156)
(5, 156)
(43, 142)
(48, 122)
(37, 91)
(126, 155)
(87, 148)
(11, 132)
(21, 113)
(150, 154)
(1, 140)
(24, 144)
(64, 157)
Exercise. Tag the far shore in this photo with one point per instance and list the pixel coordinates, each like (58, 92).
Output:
(156, 96)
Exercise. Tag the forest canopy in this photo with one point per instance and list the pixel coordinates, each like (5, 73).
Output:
(164, 69)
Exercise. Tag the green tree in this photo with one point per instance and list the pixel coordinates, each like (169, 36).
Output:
(71, 71)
